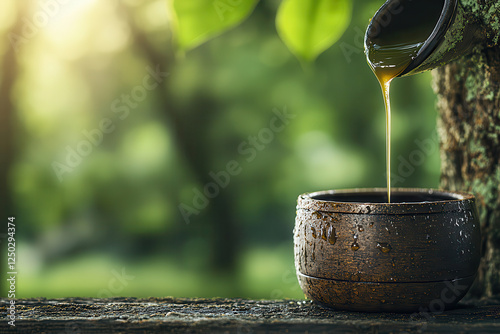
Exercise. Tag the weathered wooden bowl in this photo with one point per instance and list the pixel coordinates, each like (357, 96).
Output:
(355, 252)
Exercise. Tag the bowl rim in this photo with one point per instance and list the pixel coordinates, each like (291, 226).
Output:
(460, 201)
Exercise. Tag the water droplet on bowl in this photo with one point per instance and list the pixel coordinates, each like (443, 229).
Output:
(323, 233)
(332, 235)
(384, 247)
(313, 230)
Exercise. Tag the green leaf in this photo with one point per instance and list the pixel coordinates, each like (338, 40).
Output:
(199, 20)
(309, 27)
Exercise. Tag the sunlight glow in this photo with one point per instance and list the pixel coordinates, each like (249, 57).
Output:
(7, 14)
(66, 8)
(86, 25)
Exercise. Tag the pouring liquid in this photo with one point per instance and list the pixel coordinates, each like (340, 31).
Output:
(387, 62)
(393, 39)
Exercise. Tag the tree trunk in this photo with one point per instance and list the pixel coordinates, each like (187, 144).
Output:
(189, 126)
(469, 129)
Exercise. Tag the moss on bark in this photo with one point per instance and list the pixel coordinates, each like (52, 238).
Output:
(469, 128)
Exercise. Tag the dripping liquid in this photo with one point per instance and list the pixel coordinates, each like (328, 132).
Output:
(387, 63)
(393, 40)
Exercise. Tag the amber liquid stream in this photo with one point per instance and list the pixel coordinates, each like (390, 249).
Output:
(393, 40)
(387, 62)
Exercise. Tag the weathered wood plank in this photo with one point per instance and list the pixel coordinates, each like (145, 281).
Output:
(177, 315)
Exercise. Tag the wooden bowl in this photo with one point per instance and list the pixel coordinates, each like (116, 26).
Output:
(355, 252)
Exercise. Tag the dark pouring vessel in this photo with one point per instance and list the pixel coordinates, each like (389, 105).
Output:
(355, 252)
(454, 31)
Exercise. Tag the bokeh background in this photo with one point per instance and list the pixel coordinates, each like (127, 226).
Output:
(108, 223)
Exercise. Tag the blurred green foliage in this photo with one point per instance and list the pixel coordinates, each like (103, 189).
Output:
(198, 20)
(306, 27)
(311, 27)
(118, 208)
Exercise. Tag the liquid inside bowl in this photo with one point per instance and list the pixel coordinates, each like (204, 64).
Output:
(396, 197)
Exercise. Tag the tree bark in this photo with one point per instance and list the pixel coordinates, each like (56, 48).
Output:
(469, 129)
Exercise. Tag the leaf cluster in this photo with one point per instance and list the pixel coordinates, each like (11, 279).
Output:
(306, 27)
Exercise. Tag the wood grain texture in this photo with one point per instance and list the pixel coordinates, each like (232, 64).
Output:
(344, 252)
(178, 315)
(385, 297)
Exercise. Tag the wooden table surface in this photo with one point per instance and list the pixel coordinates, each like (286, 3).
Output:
(179, 315)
